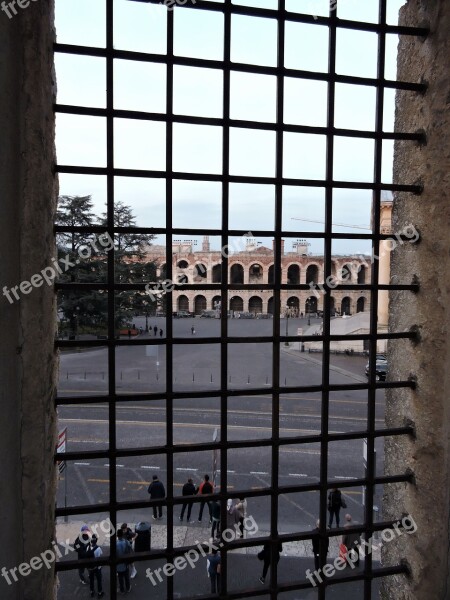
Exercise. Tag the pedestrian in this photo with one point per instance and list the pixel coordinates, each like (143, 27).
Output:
(141, 331)
(231, 515)
(95, 572)
(160, 333)
(351, 540)
(320, 547)
(80, 546)
(335, 503)
(155, 330)
(188, 490)
(213, 567)
(215, 514)
(241, 508)
(204, 489)
(130, 536)
(193, 330)
(129, 334)
(122, 549)
(157, 491)
(301, 315)
(265, 555)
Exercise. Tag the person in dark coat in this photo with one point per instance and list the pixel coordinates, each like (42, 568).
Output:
(160, 333)
(335, 503)
(80, 545)
(188, 490)
(155, 330)
(214, 570)
(157, 491)
(215, 514)
(351, 540)
(320, 547)
(265, 555)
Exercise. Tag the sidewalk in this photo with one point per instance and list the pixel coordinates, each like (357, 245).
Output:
(307, 357)
(244, 568)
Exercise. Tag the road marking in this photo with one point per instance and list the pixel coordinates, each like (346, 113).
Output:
(258, 473)
(298, 475)
(342, 477)
(304, 451)
(157, 468)
(82, 463)
(99, 480)
(218, 470)
(185, 469)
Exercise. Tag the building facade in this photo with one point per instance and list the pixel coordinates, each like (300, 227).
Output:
(254, 264)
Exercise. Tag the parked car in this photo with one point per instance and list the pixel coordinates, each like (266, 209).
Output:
(182, 314)
(381, 367)
(208, 314)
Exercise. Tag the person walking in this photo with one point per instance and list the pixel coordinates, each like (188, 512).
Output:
(351, 540)
(130, 536)
(241, 508)
(213, 565)
(335, 503)
(155, 330)
(193, 330)
(320, 547)
(80, 546)
(95, 572)
(215, 514)
(157, 491)
(265, 555)
(160, 333)
(204, 489)
(188, 490)
(122, 549)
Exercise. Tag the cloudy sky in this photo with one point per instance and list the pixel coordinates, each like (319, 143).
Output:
(198, 92)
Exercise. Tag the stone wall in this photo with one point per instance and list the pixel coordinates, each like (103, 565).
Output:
(427, 552)
(27, 358)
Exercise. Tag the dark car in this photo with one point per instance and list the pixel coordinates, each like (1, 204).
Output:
(381, 367)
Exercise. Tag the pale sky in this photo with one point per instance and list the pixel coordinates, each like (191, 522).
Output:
(198, 92)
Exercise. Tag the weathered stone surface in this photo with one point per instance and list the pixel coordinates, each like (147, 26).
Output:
(428, 406)
(27, 360)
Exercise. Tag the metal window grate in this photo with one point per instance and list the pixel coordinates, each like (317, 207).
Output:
(225, 288)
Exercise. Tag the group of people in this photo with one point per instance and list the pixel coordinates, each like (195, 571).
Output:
(86, 546)
(235, 510)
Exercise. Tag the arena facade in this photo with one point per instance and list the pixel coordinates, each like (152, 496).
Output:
(254, 264)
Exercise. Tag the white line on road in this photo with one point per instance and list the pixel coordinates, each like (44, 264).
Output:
(218, 470)
(342, 477)
(82, 463)
(146, 467)
(298, 475)
(185, 469)
(258, 473)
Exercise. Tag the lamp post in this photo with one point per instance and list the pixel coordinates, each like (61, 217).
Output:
(286, 343)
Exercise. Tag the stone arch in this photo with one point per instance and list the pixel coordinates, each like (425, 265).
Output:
(362, 273)
(236, 273)
(183, 264)
(346, 273)
(217, 273)
(294, 306)
(199, 304)
(346, 305)
(293, 274)
(216, 301)
(310, 305)
(255, 304)
(271, 306)
(183, 303)
(312, 274)
(236, 304)
(255, 273)
(360, 304)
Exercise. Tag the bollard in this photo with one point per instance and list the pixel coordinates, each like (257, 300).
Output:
(193, 378)
(211, 378)
(139, 375)
(67, 374)
(248, 379)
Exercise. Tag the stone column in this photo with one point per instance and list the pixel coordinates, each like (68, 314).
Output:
(27, 357)
(428, 311)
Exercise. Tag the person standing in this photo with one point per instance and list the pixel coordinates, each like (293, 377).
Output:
(160, 333)
(214, 570)
(204, 489)
(351, 540)
(188, 490)
(155, 330)
(122, 549)
(95, 573)
(241, 508)
(157, 491)
(193, 330)
(80, 546)
(215, 514)
(265, 555)
(130, 537)
(335, 503)
(320, 547)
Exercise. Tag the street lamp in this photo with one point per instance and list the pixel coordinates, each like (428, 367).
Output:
(286, 343)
